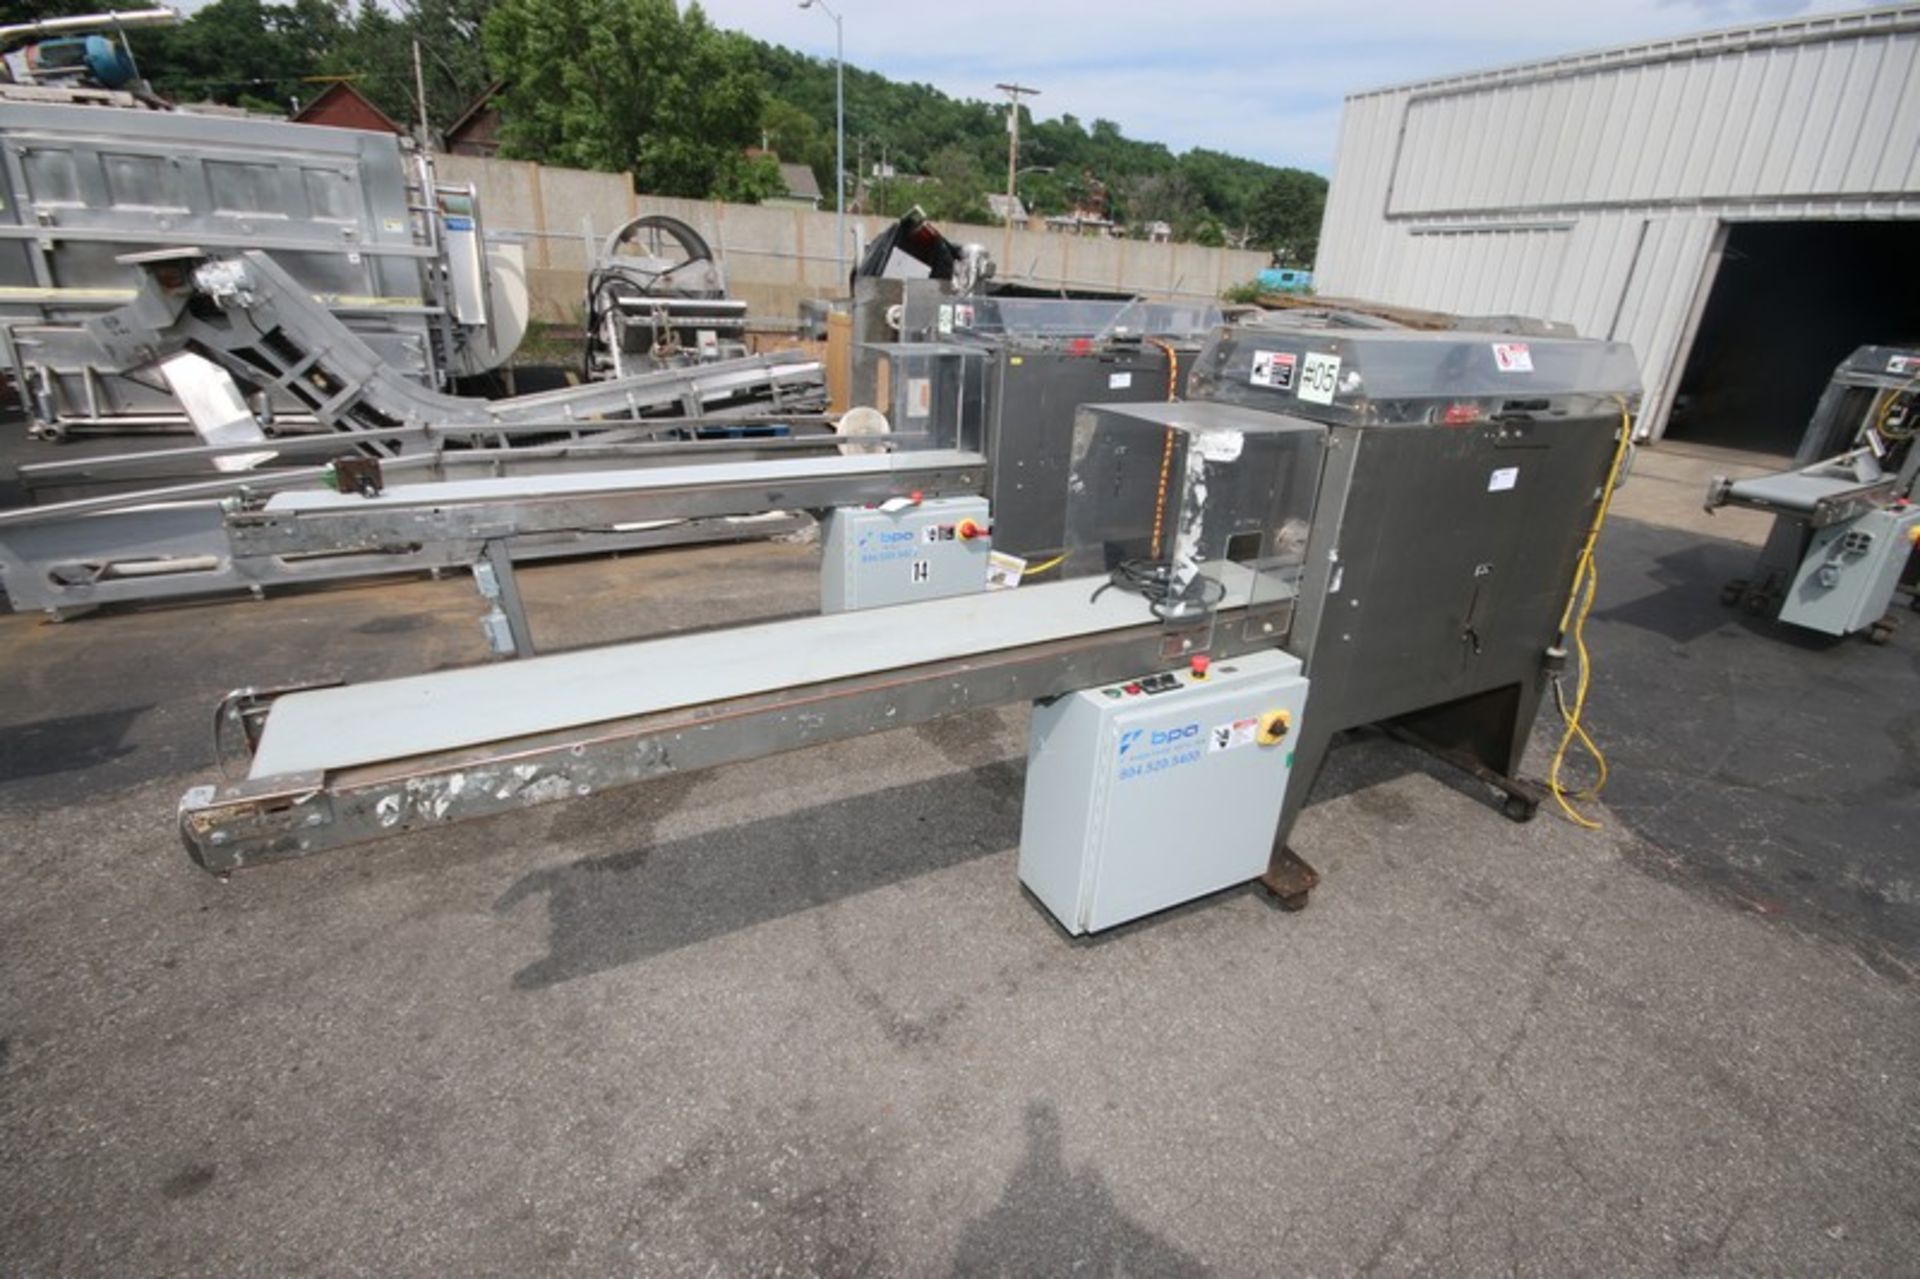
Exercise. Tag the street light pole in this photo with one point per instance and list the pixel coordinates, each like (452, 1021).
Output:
(839, 140)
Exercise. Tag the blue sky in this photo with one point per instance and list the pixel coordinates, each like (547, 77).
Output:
(1260, 78)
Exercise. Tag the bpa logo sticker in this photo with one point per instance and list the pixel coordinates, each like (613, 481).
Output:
(1128, 738)
(1168, 736)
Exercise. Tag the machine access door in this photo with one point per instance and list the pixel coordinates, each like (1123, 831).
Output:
(1456, 549)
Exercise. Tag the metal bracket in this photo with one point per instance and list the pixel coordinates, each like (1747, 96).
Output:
(505, 624)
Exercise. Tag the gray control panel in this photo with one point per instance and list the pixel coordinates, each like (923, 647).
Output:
(1151, 792)
(1846, 580)
(900, 553)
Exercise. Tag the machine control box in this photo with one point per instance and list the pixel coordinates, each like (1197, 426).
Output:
(1847, 578)
(875, 556)
(1151, 792)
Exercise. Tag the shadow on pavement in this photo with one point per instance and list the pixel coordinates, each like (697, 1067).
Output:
(625, 907)
(1056, 1220)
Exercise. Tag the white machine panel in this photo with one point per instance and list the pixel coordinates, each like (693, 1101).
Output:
(873, 556)
(1150, 793)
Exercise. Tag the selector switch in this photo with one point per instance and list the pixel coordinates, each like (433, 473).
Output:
(1274, 725)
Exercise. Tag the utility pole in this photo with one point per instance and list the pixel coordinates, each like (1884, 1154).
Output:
(420, 93)
(1014, 93)
(839, 141)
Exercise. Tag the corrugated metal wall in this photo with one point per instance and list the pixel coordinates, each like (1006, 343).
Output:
(1593, 189)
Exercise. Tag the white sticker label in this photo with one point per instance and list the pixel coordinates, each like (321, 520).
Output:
(1319, 376)
(1512, 357)
(1503, 479)
(1119, 381)
(1903, 364)
(962, 317)
(1004, 571)
(393, 226)
(946, 319)
(1218, 446)
(919, 396)
(930, 534)
(1274, 369)
(922, 570)
(1226, 737)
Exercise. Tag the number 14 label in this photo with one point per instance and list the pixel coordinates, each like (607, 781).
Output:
(1319, 375)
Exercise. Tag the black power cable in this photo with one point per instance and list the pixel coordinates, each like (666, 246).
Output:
(1152, 580)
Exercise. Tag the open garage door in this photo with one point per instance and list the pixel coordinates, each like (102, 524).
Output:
(1790, 301)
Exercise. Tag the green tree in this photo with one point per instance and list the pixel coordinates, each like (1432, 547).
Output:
(755, 179)
(627, 85)
(244, 48)
(797, 138)
(1286, 214)
(958, 191)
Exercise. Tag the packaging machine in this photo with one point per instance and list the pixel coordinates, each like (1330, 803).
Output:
(1846, 530)
(1349, 527)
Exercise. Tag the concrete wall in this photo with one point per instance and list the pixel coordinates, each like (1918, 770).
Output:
(775, 257)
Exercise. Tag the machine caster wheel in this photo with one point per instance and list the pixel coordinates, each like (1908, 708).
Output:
(1292, 902)
(1519, 808)
(1731, 593)
(1758, 603)
(1879, 633)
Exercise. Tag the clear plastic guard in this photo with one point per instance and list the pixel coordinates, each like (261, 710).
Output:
(1100, 319)
(934, 395)
(1202, 509)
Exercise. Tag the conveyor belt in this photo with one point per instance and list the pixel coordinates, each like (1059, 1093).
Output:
(637, 480)
(329, 729)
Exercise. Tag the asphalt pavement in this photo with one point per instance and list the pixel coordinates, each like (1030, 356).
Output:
(798, 1016)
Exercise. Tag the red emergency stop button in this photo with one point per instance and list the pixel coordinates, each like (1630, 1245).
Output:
(1200, 665)
(970, 529)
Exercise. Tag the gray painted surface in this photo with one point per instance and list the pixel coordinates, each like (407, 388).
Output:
(871, 557)
(1133, 804)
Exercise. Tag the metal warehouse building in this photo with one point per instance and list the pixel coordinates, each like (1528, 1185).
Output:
(1742, 206)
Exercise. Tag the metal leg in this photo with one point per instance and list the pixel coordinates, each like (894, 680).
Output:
(506, 621)
(1290, 879)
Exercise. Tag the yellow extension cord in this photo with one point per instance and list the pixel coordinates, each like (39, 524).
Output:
(1885, 410)
(1173, 381)
(1573, 624)
(1043, 566)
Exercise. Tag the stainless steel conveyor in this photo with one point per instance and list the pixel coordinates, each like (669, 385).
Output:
(336, 766)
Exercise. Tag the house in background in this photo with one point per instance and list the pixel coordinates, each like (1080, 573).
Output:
(1007, 208)
(341, 106)
(477, 131)
(803, 189)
